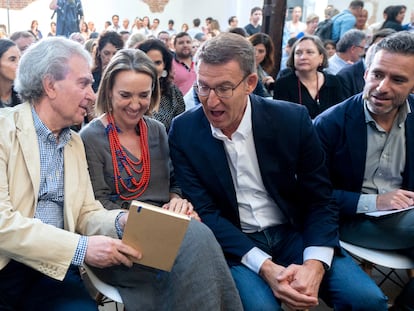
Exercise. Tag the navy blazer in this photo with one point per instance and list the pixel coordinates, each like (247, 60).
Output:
(291, 163)
(342, 131)
(352, 78)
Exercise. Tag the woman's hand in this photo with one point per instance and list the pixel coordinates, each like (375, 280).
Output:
(181, 206)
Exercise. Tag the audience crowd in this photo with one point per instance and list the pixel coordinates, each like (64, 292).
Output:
(344, 92)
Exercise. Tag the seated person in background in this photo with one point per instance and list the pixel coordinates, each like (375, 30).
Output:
(9, 59)
(352, 77)
(109, 42)
(349, 49)
(285, 56)
(306, 84)
(50, 222)
(128, 158)
(254, 170)
(171, 102)
(330, 47)
(368, 141)
(264, 52)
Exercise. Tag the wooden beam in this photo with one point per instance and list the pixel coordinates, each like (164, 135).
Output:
(274, 13)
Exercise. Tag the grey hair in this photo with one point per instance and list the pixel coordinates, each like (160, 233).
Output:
(48, 57)
(401, 42)
(351, 38)
(227, 47)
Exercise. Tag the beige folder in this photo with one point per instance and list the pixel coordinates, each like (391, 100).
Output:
(156, 232)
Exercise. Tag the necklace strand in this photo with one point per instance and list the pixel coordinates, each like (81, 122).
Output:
(121, 160)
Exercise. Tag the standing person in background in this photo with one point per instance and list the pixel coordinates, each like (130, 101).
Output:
(91, 27)
(154, 30)
(346, 20)
(196, 28)
(69, 16)
(185, 27)
(171, 31)
(395, 17)
(125, 25)
(233, 22)
(9, 59)
(52, 32)
(254, 26)
(307, 84)
(361, 20)
(35, 31)
(84, 31)
(146, 26)
(115, 24)
(295, 26)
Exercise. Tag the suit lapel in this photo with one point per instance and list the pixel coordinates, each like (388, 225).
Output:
(356, 137)
(71, 180)
(213, 150)
(26, 135)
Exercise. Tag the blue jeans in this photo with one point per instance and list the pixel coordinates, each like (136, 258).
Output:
(23, 288)
(344, 287)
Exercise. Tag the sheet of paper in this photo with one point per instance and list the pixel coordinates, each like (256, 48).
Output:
(384, 213)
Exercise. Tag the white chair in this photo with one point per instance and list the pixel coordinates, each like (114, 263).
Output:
(384, 258)
(108, 292)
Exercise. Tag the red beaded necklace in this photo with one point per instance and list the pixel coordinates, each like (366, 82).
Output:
(120, 158)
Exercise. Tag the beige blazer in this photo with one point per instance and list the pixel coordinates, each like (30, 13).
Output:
(43, 247)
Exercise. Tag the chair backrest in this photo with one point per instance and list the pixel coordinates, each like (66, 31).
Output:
(386, 258)
(104, 288)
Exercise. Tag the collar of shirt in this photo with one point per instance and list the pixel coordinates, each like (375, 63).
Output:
(401, 117)
(184, 64)
(45, 134)
(244, 129)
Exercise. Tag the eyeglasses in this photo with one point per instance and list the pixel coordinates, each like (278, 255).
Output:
(221, 91)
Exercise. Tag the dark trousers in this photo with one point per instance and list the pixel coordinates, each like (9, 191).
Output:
(23, 288)
(405, 300)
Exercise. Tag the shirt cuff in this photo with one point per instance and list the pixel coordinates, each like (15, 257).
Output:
(321, 253)
(254, 259)
(367, 203)
(118, 228)
(80, 253)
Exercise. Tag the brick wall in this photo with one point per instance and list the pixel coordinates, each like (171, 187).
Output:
(15, 4)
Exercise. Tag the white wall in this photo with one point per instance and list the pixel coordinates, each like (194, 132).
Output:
(181, 11)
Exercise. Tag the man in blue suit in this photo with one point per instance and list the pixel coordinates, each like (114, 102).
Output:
(369, 143)
(254, 170)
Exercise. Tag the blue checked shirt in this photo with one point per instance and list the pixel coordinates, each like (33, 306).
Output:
(51, 193)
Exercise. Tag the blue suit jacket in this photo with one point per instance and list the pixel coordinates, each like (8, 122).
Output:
(291, 163)
(342, 131)
(352, 78)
